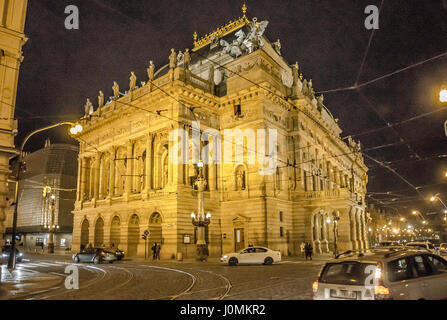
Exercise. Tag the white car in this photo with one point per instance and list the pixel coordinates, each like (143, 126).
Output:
(252, 255)
(404, 274)
(423, 245)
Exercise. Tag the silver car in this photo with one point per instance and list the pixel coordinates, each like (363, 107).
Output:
(398, 274)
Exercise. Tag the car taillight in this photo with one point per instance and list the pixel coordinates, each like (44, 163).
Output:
(315, 288)
(382, 293)
(382, 290)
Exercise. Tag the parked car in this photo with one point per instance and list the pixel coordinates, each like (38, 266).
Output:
(443, 249)
(388, 244)
(425, 245)
(252, 255)
(6, 251)
(95, 255)
(119, 254)
(398, 274)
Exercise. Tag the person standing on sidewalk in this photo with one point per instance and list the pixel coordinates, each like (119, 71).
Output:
(157, 249)
(41, 245)
(154, 251)
(309, 251)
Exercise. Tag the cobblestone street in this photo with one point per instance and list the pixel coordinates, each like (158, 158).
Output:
(41, 277)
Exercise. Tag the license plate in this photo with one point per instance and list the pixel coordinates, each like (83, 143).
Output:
(343, 294)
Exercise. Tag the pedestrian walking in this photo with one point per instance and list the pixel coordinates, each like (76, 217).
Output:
(41, 245)
(302, 247)
(154, 251)
(157, 250)
(309, 251)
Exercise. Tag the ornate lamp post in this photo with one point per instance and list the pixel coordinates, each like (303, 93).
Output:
(51, 226)
(335, 217)
(200, 220)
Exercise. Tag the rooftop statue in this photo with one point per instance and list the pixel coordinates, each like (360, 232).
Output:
(88, 108)
(133, 81)
(186, 59)
(100, 99)
(151, 71)
(172, 59)
(244, 44)
(116, 90)
(180, 58)
(295, 72)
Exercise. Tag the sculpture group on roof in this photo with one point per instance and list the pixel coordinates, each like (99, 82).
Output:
(246, 43)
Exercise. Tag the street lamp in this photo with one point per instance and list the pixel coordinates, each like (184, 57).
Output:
(335, 218)
(20, 165)
(51, 226)
(201, 221)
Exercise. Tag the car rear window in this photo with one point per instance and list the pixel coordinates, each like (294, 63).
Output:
(347, 273)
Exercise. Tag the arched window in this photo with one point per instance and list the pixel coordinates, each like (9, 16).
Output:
(155, 218)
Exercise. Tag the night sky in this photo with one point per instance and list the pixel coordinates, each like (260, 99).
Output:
(64, 67)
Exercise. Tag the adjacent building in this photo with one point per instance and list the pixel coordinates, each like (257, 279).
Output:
(12, 38)
(278, 172)
(51, 171)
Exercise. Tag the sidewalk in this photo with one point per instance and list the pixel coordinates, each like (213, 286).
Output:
(67, 257)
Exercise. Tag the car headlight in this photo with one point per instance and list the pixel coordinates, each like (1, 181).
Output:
(224, 257)
(20, 254)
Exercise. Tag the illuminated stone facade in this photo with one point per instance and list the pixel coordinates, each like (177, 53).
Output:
(127, 182)
(12, 38)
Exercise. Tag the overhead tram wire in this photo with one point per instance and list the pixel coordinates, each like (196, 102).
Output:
(390, 125)
(367, 49)
(368, 102)
(366, 83)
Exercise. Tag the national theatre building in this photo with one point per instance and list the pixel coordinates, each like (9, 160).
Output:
(276, 169)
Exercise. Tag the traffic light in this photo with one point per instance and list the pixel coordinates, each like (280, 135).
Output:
(144, 237)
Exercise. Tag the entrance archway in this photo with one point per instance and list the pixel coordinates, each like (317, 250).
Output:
(99, 232)
(156, 234)
(133, 235)
(84, 233)
(115, 232)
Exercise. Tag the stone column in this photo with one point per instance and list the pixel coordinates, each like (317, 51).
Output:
(359, 231)
(344, 242)
(78, 182)
(365, 230)
(112, 173)
(148, 180)
(353, 228)
(324, 237)
(317, 229)
(96, 176)
(337, 177)
(83, 179)
(129, 168)
(170, 166)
